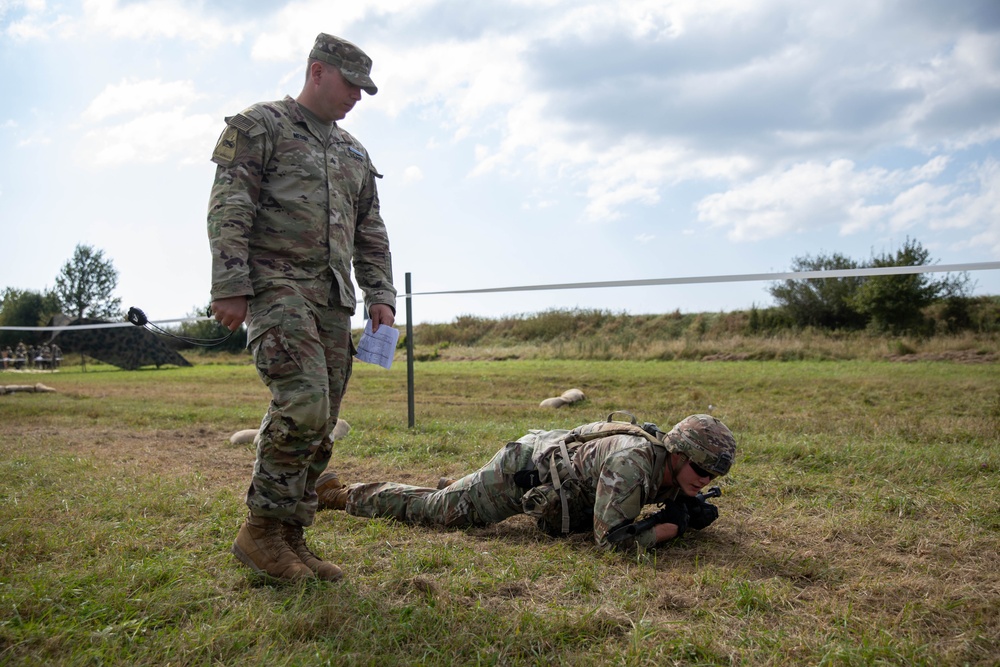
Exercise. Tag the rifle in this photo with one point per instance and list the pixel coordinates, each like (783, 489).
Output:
(631, 530)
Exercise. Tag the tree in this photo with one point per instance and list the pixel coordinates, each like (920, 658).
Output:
(821, 302)
(86, 283)
(896, 303)
(24, 308)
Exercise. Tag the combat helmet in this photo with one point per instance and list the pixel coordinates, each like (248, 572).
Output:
(705, 440)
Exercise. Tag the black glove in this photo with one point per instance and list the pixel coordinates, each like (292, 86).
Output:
(677, 514)
(701, 513)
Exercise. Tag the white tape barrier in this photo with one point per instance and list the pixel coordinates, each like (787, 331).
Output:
(690, 280)
(108, 325)
(746, 277)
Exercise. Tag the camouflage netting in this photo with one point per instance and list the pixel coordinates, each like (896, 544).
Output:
(127, 348)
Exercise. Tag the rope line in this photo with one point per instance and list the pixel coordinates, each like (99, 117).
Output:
(745, 277)
(688, 280)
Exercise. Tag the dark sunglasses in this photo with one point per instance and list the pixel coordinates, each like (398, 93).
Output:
(701, 472)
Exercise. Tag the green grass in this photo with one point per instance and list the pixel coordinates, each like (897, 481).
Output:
(858, 527)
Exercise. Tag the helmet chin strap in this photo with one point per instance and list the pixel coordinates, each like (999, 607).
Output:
(673, 471)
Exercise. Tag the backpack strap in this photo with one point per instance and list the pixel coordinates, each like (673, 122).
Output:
(614, 428)
(557, 483)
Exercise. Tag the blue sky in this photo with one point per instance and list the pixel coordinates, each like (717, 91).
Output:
(532, 142)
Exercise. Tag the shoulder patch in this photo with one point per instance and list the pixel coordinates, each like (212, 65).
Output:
(244, 124)
(225, 149)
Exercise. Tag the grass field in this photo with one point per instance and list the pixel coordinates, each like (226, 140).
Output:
(860, 524)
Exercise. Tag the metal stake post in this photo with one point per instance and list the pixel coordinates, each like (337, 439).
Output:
(409, 353)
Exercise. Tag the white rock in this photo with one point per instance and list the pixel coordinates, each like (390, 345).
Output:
(572, 395)
(243, 437)
(341, 430)
(554, 402)
(249, 435)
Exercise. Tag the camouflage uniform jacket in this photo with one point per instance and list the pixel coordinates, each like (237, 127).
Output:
(619, 474)
(292, 207)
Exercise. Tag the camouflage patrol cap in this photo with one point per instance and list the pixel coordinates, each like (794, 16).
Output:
(706, 441)
(352, 62)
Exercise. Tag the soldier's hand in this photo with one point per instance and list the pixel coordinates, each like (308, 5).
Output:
(230, 312)
(677, 514)
(381, 314)
(701, 513)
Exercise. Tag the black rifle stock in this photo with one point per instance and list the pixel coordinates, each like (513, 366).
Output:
(633, 529)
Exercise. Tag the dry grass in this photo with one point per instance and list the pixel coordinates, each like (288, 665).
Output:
(801, 346)
(601, 335)
(860, 525)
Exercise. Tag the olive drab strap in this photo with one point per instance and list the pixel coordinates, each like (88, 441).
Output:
(631, 417)
(614, 428)
(557, 483)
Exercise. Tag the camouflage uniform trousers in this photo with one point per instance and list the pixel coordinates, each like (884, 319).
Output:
(486, 496)
(304, 354)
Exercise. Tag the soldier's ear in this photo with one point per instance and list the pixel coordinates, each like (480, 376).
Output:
(316, 71)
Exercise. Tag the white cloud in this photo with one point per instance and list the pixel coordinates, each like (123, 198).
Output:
(412, 174)
(36, 139)
(648, 19)
(792, 96)
(464, 80)
(34, 23)
(810, 196)
(978, 207)
(536, 204)
(287, 37)
(960, 88)
(115, 19)
(30, 5)
(132, 95)
(783, 83)
(151, 138)
(158, 125)
(158, 18)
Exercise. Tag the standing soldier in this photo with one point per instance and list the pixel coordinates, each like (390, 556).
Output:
(293, 204)
(20, 355)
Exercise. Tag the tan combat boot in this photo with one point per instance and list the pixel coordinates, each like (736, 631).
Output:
(444, 483)
(261, 547)
(332, 494)
(296, 539)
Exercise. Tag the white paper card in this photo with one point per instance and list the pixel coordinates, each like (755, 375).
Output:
(378, 347)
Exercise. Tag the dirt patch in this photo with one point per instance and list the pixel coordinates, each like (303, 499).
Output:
(195, 451)
(175, 452)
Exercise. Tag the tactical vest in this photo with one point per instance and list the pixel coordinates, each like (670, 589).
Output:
(555, 496)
